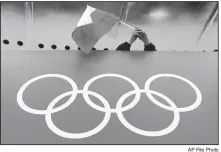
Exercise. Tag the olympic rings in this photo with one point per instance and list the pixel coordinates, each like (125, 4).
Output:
(107, 109)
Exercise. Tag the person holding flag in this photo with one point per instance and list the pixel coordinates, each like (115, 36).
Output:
(137, 33)
(95, 23)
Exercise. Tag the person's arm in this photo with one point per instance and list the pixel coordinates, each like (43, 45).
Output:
(148, 46)
(126, 45)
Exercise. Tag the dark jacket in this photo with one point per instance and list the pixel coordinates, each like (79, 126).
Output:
(126, 47)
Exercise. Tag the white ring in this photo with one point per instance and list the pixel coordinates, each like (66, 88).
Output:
(185, 109)
(42, 112)
(93, 105)
(64, 134)
(162, 132)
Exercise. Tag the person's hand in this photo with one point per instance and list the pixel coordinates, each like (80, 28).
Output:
(134, 36)
(143, 36)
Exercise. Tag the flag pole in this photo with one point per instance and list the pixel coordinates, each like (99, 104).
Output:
(127, 25)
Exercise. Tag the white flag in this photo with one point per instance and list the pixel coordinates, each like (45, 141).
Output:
(91, 27)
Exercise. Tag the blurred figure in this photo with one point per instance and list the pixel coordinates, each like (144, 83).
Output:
(137, 33)
(93, 48)
(106, 49)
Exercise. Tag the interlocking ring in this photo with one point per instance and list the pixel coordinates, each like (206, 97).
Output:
(107, 109)
(185, 109)
(43, 112)
(150, 133)
(93, 105)
(64, 134)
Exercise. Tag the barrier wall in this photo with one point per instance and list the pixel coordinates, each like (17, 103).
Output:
(198, 125)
